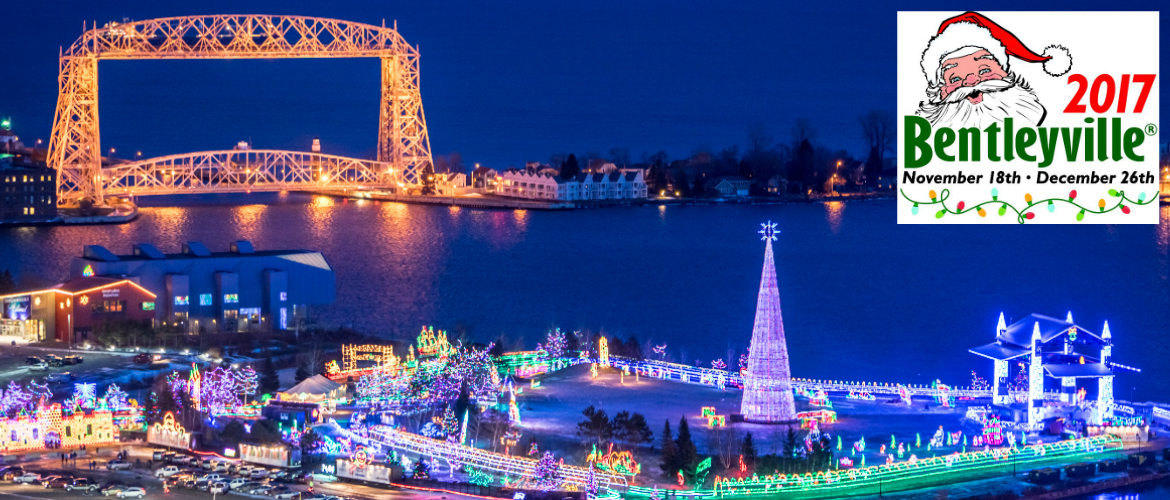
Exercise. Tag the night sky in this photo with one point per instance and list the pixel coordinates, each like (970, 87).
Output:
(502, 82)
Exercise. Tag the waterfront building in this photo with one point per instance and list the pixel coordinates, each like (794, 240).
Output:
(522, 184)
(70, 311)
(1053, 349)
(239, 290)
(28, 193)
(484, 178)
(767, 386)
(729, 185)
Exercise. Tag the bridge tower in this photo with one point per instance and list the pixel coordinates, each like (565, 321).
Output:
(404, 149)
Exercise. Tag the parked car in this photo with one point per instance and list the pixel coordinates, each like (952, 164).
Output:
(181, 460)
(260, 489)
(132, 492)
(54, 360)
(143, 359)
(190, 484)
(205, 463)
(157, 454)
(72, 360)
(258, 473)
(59, 377)
(167, 471)
(243, 470)
(32, 360)
(39, 367)
(11, 472)
(302, 477)
(212, 477)
(113, 489)
(57, 482)
(82, 484)
(27, 478)
(287, 495)
(278, 489)
(118, 465)
(220, 467)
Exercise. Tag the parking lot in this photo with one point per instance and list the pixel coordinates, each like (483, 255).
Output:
(144, 476)
(95, 363)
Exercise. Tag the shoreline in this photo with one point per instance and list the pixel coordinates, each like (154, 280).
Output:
(505, 203)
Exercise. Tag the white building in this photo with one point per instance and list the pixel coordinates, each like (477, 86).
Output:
(620, 185)
(520, 184)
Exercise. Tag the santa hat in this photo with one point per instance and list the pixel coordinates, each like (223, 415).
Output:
(967, 33)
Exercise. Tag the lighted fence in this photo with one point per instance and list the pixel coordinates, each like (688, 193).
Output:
(919, 472)
(485, 460)
(726, 378)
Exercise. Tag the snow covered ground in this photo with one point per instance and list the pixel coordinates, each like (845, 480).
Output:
(551, 412)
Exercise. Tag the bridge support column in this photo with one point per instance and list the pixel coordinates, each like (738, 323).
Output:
(75, 145)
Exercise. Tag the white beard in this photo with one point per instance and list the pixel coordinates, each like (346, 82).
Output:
(1010, 97)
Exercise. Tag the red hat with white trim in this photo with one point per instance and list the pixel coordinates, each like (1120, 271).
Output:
(970, 32)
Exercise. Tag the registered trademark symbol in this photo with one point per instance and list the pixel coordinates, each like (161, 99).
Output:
(1151, 129)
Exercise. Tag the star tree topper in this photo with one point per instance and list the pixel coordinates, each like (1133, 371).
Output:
(769, 231)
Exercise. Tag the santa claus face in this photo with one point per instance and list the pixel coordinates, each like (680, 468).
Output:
(969, 71)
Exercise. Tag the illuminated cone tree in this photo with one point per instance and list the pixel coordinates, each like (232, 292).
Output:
(767, 395)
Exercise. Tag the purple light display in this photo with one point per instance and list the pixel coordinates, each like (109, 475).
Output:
(767, 396)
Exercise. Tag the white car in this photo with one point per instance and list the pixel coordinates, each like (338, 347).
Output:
(259, 474)
(212, 478)
(40, 367)
(132, 492)
(218, 488)
(118, 465)
(237, 483)
(27, 478)
(288, 495)
(220, 467)
(167, 471)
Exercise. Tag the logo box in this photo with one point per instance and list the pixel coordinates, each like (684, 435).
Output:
(1028, 118)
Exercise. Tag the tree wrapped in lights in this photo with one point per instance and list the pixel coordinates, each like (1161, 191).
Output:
(719, 364)
(591, 486)
(556, 344)
(16, 400)
(439, 381)
(246, 382)
(547, 475)
(217, 390)
(116, 398)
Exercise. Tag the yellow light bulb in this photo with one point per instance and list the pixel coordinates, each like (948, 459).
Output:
(1028, 197)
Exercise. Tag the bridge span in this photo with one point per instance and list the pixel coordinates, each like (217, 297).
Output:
(247, 171)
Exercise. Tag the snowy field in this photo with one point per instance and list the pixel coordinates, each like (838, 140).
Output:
(551, 413)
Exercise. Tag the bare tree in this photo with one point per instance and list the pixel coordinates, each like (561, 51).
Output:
(803, 130)
(724, 443)
(758, 140)
(879, 128)
(619, 156)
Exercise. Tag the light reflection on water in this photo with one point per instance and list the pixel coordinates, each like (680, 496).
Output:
(867, 299)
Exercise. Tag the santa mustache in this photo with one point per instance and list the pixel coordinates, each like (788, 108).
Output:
(987, 86)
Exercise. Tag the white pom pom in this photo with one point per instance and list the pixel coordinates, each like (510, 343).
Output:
(1061, 60)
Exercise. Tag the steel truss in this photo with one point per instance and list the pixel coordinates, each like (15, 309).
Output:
(75, 145)
(245, 171)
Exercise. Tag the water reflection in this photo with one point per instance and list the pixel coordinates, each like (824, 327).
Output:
(834, 212)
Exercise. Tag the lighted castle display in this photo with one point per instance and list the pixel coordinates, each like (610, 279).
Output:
(767, 396)
(1044, 346)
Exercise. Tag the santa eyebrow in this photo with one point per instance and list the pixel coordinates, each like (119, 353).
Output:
(985, 56)
(949, 66)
